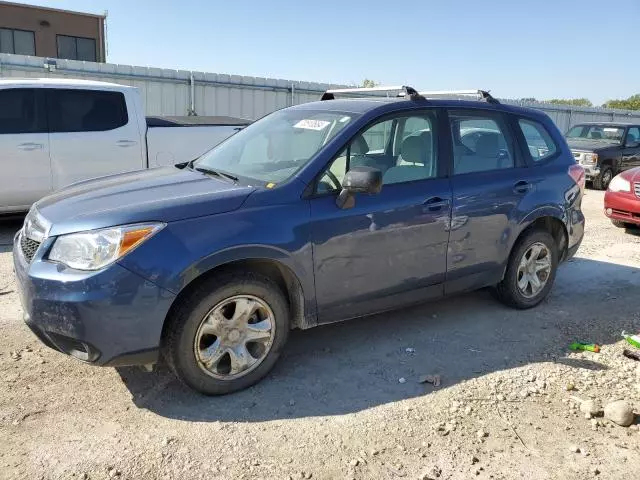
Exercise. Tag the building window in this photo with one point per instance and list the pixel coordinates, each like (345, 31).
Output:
(76, 48)
(20, 42)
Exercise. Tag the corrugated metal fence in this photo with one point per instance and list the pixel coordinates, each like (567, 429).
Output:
(180, 92)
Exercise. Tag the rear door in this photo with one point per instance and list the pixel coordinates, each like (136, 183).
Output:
(631, 149)
(91, 135)
(25, 170)
(489, 181)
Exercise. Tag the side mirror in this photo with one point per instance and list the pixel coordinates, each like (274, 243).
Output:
(359, 180)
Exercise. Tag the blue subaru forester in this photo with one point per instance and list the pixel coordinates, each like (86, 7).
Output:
(316, 213)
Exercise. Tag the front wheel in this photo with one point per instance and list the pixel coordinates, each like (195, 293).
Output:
(602, 181)
(531, 271)
(228, 333)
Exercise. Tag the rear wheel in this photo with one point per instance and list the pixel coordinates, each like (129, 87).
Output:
(531, 271)
(602, 181)
(228, 333)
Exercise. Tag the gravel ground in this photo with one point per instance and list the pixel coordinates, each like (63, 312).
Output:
(336, 406)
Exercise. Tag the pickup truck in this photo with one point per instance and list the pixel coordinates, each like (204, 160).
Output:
(55, 132)
(605, 149)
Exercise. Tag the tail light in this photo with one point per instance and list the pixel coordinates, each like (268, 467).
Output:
(577, 173)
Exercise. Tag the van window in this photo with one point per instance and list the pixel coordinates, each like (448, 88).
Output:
(85, 110)
(19, 112)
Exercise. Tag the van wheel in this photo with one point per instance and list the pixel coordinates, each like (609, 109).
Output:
(602, 181)
(531, 271)
(228, 333)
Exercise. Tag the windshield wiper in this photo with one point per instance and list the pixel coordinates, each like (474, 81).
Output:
(216, 173)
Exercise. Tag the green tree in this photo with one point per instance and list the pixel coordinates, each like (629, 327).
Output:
(578, 102)
(367, 83)
(528, 99)
(631, 103)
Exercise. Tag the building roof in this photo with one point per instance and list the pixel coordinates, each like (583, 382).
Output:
(59, 82)
(49, 9)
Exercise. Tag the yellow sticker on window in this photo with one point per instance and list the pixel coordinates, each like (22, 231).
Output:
(271, 185)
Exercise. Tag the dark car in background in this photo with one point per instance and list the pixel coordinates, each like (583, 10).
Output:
(314, 214)
(605, 149)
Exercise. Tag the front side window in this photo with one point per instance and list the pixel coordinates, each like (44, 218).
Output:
(600, 133)
(274, 148)
(415, 157)
(76, 48)
(19, 42)
(19, 112)
(540, 144)
(480, 142)
(85, 110)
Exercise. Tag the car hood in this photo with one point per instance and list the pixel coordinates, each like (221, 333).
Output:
(587, 145)
(162, 194)
(633, 175)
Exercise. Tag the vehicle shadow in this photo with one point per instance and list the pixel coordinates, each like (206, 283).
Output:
(356, 365)
(9, 225)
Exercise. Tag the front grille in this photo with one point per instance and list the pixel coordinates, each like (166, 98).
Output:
(29, 247)
(636, 187)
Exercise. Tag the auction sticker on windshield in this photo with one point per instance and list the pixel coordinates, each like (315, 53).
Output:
(312, 124)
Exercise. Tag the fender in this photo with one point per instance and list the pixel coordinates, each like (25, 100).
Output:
(551, 210)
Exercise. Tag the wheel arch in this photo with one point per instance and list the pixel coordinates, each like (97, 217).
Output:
(550, 219)
(272, 263)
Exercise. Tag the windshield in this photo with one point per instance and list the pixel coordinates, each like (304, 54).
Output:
(602, 133)
(274, 148)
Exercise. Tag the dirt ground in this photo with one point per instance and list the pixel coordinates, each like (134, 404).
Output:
(344, 402)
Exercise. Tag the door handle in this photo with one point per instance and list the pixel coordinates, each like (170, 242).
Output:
(521, 187)
(30, 146)
(126, 143)
(435, 203)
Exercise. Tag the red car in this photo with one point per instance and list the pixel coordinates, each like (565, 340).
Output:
(622, 199)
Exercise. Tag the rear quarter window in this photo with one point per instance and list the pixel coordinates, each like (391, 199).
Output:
(538, 141)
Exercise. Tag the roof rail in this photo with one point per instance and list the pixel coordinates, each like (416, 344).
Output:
(400, 91)
(481, 94)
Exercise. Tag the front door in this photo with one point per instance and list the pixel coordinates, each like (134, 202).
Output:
(91, 136)
(631, 149)
(390, 248)
(24, 149)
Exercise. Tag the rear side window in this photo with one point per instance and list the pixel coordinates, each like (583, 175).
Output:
(20, 111)
(480, 142)
(85, 110)
(540, 144)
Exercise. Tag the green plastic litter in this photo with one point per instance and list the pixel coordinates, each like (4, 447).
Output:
(632, 339)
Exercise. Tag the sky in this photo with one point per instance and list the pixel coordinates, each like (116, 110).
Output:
(514, 48)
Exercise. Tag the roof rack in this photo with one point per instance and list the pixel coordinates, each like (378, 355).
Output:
(481, 94)
(400, 91)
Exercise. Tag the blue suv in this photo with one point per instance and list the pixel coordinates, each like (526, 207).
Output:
(314, 214)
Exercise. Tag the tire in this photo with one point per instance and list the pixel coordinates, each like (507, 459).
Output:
(188, 323)
(601, 182)
(508, 291)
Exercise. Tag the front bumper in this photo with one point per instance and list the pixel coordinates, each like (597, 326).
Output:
(623, 206)
(591, 171)
(109, 317)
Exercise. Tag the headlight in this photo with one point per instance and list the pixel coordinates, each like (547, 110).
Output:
(96, 249)
(591, 158)
(619, 184)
